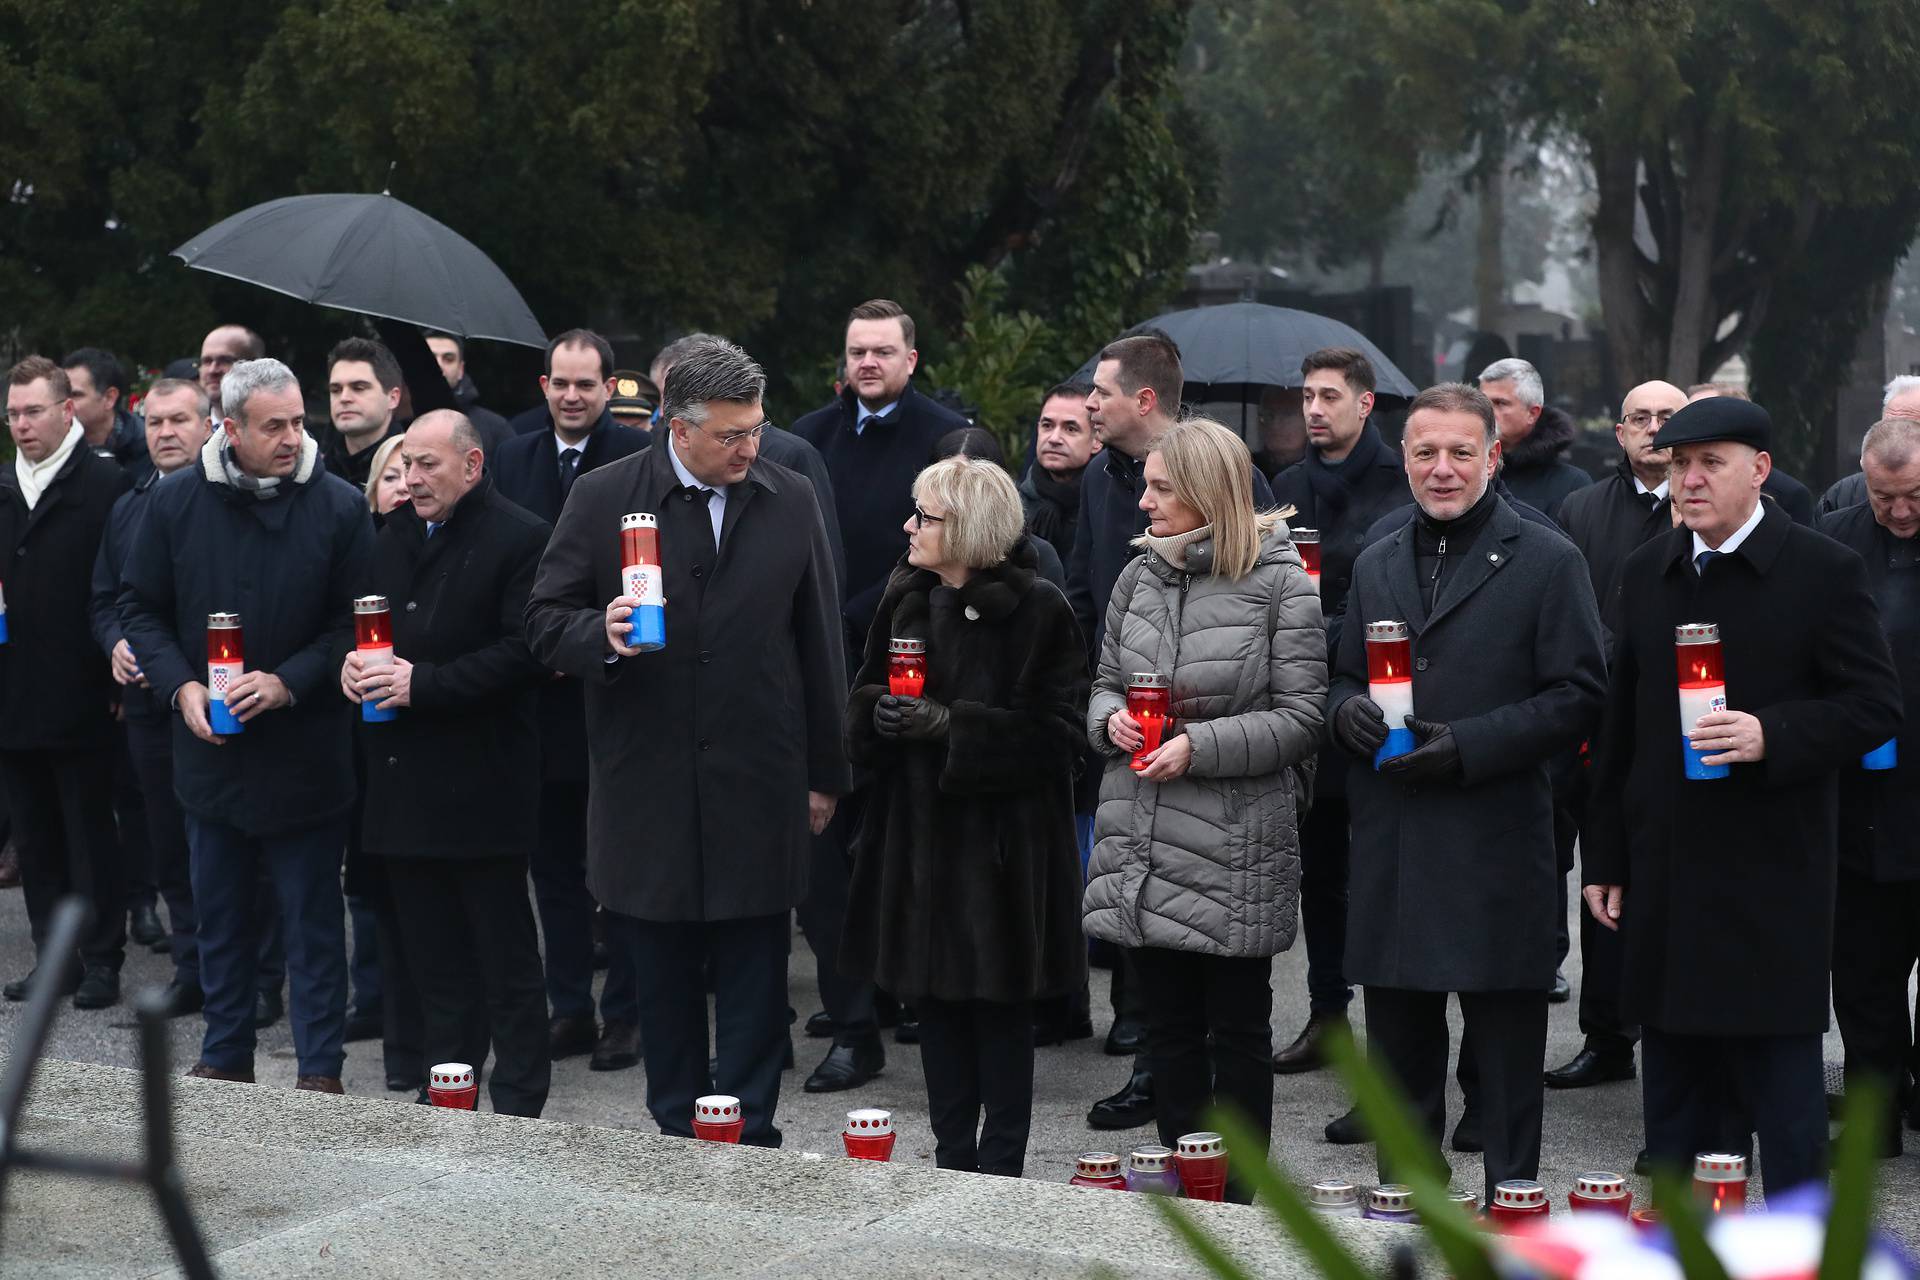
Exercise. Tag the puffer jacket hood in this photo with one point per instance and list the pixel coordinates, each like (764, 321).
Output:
(1210, 862)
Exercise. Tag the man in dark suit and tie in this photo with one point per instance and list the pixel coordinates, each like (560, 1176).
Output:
(537, 470)
(723, 747)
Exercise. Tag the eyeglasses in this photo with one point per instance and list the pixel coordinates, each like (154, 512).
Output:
(921, 519)
(733, 439)
(32, 413)
(1641, 418)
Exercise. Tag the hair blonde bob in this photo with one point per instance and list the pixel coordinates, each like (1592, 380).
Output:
(381, 453)
(984, 516)
(1211, 471)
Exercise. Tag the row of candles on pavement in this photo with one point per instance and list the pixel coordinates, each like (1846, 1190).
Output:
(1702, 678)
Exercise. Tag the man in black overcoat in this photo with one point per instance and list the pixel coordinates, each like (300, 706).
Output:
(1349, 478)
(537, 470)
(451, 805)
(1724, 887)
(715, 757)
(1454, 881)
(1608, 520)
(1876, 925)
(56, 693)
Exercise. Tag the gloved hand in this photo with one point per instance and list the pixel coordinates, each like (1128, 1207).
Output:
(1436, 759)
(915, 719)
(1360, 726)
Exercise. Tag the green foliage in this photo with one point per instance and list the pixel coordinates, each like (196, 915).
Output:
(1001, 363)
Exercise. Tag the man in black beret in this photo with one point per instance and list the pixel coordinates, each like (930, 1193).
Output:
(1723, 887)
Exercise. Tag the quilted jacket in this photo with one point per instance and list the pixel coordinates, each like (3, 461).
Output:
(1210, 861)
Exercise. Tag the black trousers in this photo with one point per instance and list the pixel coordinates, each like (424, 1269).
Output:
(559, 871)
(1323, 903)
(62, 804)
(1703, 1093)
(130, 825)
(747, 962)
(978, 1054)
(403, 1018)
(823, 918)
(150, 746)
(1506, 1036)
(1209, 1038)
(1876, 941)
(469, 935)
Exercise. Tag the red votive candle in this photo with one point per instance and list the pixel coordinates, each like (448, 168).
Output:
(906, 667)
(1720, 1182)
(1307, 543)
(452, 1084)
(717, 1118)
(869, 1134)
(1149, 700)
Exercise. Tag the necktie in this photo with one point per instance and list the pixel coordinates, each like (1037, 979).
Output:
(1700, 562)
(569, 468)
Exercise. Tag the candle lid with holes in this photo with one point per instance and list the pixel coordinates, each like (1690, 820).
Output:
(1386, 631)
(1717, 1166)
(639, 520)
(1600, 1186)
(370, 604)
(1697, 633)
(1466, 1199)
(1201, 1146)
(451, 1075)
(900, 644)
(716, 1108)
(869, 1122)
(1097, 1164)
(1305, 535)
(1333, 1193)
(222, 621)
(1149, 1159)
(1391, 1197)
(1519, 1193)
(1147, 680)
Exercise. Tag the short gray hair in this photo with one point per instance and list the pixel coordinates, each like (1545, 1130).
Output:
(1905, 384)
(168, 386)
(710, 369)
(984, 516)
(247, 377)
(1893, 442)
(1524, 377)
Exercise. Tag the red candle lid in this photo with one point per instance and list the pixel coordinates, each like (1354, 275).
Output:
(1697, 633)
(1716, 1166)
(1600, 1186)
(1097, 1164)
(1147, 680)
(451, 1075)
(1201, 1145)
(1519, 1193)
(1386, 631)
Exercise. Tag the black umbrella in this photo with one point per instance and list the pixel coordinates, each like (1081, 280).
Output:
(370, 254)
(1250, 343)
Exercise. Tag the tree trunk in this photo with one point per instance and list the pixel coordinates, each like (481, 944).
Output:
(1489, 269)
(1634, 344)
(1696, 317)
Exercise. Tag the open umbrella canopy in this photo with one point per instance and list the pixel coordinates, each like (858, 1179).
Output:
(372, 254)
(1250, 343)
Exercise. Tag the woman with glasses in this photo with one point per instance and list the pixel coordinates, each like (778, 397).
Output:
(966, 870)
(1196, 859)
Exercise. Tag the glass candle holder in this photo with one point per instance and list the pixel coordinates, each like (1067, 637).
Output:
(373, 640)
(906, 667)
(1390, 685)
(642, 578)
(1149, 701)
(226, 660)
(1703, 689)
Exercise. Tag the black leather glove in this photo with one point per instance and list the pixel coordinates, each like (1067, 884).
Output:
(1436, 759)
(1359, 726)
(915, 719)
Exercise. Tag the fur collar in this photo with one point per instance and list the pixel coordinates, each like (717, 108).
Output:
(990, 595)
(215, 471)
(1549, 440)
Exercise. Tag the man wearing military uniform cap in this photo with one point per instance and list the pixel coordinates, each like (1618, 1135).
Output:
(633, 399)
(1723, 887)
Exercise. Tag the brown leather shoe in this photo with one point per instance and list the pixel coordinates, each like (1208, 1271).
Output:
(201, 1071)
(320, 1084)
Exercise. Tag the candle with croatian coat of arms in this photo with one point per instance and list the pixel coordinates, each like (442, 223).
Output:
(226, 659)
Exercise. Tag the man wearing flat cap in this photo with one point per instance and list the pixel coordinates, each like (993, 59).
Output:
(1723, 887)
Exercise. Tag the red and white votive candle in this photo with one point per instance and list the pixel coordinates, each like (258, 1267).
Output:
(906, 667)
(452, 1084)
(718, 1118)
(1307, 543)
(1150, 703)
(869, 1134)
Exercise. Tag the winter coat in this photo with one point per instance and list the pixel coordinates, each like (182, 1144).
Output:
(290, 567)
(123, 530)
(966, 867)
(1210, 861)
(1880, 808)
(126, 446)
(702, 753)
(1536, 469)
(873, 473)
(1728, 913)
(1453, 886)
(1609, 520)
(1847, 491)
(467, 740)
(1052, 506)
(493, 428)
(56, 689)
(1794, 498)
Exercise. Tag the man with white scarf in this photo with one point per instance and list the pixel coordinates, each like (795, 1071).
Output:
(56, 689)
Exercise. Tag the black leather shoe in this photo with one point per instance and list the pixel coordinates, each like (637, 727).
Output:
(267, 1008)
(365, 1026)
(1591, 1067)
(1466, 1134)
(1128, 1109)
(143, 925)
(183, 999)
(571, 1037)
(847, 1066)
(98, 989)
(1641, 1166)
(407, 1084)
(786, 1059)
(1347, 1130)
(1562, 991)
(20, 987)
(1125, 1038)
(907, 1029)
(1059, 1032)
(820, 1026)
(619, 1047)
(1306, 1052)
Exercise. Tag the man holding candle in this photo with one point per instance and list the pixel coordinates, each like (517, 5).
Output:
(1454, 879)
(1877, 905)
(1349, 479)
(258, 527)
(721, 750)
(1723, 887)
(456, 563)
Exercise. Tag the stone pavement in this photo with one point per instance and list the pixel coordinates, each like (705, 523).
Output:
(1585, 1129)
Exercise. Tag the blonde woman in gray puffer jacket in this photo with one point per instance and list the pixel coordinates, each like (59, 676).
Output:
(1196, 860)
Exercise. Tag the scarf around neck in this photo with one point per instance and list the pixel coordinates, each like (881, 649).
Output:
(34, 477)
(1173, 548)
